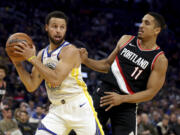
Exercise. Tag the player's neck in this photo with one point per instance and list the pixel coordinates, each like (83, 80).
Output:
(148, 44)
(53, 46)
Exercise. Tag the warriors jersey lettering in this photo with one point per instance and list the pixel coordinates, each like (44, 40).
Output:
(73, 83)
(132, 67)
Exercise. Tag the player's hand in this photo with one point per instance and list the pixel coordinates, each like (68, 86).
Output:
(25, 50)
(111, 99)
(84, 55)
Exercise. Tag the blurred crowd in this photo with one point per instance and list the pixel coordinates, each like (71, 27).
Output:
(96, 25)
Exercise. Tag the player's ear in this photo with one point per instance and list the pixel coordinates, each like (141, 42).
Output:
(46, 27)
(157, 30)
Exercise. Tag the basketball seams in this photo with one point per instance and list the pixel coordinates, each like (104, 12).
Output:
(13, 40)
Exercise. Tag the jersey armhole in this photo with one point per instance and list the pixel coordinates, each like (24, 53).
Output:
(155, 58)
(61, 49)
(42, 55)
(130, 39)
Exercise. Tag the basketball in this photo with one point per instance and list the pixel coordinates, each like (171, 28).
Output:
(12, 41)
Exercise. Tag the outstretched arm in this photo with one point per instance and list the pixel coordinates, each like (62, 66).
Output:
(155, 83)
(103, 65)
(69, 58)
(30, 80)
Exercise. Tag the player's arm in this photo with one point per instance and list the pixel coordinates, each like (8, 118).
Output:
(69, 58)
(104, 64)
(155, 83)
(30, 80)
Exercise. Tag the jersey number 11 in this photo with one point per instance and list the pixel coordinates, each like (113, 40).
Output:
(136, 73)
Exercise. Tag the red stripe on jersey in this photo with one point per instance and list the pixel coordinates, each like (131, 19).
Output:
(132, 37)
(120, 70)
(155, 58)
(157, 48)
(139, 45)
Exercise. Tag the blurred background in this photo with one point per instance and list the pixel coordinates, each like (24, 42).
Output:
(96, 25)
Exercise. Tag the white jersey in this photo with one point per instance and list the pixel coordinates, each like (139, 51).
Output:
(71, 86)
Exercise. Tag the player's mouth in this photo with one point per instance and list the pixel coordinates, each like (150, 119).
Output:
(57, 38)
(140, 31)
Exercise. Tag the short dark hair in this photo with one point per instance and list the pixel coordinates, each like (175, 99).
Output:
(56, 14)
(160, 22)
(4, 68)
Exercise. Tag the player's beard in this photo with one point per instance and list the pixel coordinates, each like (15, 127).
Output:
(56, 42)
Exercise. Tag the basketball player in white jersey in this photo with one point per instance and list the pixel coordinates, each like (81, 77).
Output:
(59, 64)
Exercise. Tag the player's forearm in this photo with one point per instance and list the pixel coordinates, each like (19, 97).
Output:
(98, 65)
(139, 97)
(25, 77)
(48, 74)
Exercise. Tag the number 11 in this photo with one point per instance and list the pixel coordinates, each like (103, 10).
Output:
(135, 71)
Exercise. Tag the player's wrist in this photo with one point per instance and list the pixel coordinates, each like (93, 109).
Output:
(124, 98)
(85, 61)
(32, 58)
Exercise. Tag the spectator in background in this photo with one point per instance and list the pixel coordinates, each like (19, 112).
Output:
(24, 125)
(3, 71)
(17, 114)
(24, 106)
(162, 126)
(92, 82)
(176, 129)
(139, 125)
(147, 127)
(155, 118)
(172, 120)
(31, 108)
(8, 126)
(37, 115)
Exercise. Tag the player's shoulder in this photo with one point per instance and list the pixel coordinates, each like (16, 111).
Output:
(161, 62)
(39, 54)
(162, 59)
(70, 49)
(124, 39)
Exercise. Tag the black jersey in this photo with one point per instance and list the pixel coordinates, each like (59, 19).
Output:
(131, 69)
(2, 90)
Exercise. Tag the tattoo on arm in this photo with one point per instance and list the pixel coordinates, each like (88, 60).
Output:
(19, 64)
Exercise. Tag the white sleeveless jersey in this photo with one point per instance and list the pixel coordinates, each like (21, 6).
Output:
(72, 85)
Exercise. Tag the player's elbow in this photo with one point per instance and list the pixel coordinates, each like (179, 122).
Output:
(107, 66)
(30, 89)
(56, 80)
(152, 94)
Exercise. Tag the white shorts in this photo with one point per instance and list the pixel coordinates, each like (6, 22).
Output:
(77, 114)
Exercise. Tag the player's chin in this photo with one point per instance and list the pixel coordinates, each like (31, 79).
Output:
(139, 36)
(57, 42)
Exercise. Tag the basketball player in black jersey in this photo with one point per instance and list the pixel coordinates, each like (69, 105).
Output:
(3, 85)
(136, 72)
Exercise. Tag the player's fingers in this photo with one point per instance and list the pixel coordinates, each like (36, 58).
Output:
(82, 49)
(34, 48)
(105, 100)
(109, 107)
(108, 93)
(18, 48)
(106, 97)
(20, 44)
(18, 52)
(106, 103)
(25, 43)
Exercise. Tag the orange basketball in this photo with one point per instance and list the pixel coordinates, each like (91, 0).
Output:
(13, 40)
